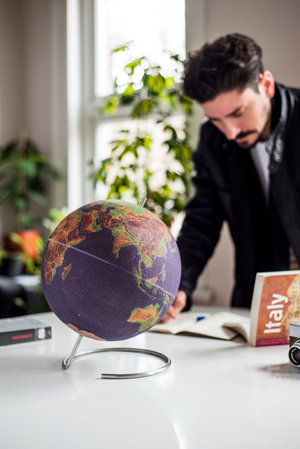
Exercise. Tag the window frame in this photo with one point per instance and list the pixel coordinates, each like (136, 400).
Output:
(83, 117)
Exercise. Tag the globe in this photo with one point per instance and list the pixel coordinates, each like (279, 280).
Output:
(111, 270)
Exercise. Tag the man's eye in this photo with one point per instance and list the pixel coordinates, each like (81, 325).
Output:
(238, 114)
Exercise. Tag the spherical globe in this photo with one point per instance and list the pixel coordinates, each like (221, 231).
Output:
(111, 270)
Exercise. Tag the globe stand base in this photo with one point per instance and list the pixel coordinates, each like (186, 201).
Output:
(66, 363)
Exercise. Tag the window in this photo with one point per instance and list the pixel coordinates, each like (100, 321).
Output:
(151, 30)
(95, 28)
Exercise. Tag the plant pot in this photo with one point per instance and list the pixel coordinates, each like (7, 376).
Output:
(12, 265)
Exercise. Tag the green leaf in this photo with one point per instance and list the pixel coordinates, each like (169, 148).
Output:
(129, 91)
(110, 106)
(170, 82)
(131, 148)
(156, 83)
(131, 66)
(143, 108)
(19, 203)
(122, 47)
(27, 168)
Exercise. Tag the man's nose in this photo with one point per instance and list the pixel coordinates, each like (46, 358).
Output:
(231, 130)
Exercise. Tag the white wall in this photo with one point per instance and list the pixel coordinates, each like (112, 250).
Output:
(37, 71)
(11, 70)
(45, 83)
(11, 77)
(32, 80)
(273, 23)
(25, 69)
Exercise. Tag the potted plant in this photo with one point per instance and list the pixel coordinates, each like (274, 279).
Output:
(24, 172)
(135, 169)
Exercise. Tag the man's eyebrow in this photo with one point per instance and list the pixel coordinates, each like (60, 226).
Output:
(231, 114)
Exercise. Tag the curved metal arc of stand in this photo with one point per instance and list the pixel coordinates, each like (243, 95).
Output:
(66, 363)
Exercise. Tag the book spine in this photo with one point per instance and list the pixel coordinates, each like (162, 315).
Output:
(272, 341)
(26, 335)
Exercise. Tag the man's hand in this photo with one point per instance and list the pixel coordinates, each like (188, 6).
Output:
(177, 306)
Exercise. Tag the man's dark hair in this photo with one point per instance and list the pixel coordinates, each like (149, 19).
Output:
(230, 62)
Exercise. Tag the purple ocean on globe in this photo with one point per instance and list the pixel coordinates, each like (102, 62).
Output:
(111, 270)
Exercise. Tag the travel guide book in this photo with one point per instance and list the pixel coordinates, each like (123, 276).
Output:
(23, 329)
(275, 304)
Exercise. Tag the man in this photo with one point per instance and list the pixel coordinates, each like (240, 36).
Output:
(247, 167)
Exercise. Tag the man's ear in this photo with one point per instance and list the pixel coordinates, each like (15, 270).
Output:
(267, 83)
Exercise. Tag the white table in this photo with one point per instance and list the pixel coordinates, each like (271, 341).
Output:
(216, 394)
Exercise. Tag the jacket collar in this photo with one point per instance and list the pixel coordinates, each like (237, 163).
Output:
(275, 143)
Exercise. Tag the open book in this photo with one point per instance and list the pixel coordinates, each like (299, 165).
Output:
(222, 325)
(275, 304)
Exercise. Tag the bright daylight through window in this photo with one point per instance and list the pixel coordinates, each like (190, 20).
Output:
(152, 34)
(151, 29)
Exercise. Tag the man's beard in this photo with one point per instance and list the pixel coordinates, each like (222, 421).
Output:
(245, 134)
(261, 136)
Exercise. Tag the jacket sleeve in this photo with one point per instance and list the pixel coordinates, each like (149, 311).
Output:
(204, 216)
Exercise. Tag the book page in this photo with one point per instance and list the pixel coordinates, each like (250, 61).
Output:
(19, 324)
(206, 325)
(180, 323)
(213, 326)
(242, 327)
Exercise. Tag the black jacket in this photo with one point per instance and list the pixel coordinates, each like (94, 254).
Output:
(228, 188)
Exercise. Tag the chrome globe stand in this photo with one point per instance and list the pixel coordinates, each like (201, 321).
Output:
(67, 361)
